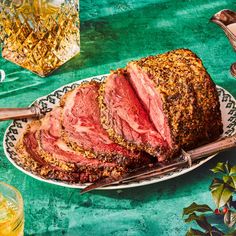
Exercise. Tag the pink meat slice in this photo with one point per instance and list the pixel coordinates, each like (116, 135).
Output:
(179, 96)
(51, 142)
(125, 115)
(45, 140)
(35, 162)
(151, 100)
(82, 125)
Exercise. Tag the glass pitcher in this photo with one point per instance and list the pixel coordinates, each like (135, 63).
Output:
(39, 35)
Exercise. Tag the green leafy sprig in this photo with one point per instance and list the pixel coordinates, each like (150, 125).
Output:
(222, 191)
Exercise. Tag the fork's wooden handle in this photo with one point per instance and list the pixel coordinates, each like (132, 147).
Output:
(214, 147)
(19, 113)
(189, 157)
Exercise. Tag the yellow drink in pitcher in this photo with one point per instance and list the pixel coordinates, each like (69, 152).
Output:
(11, 211)
(39, 35)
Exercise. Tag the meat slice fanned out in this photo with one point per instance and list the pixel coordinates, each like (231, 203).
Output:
(125, 119)
(179, 96)
(83, 129)
(52, 158)
(30, 156)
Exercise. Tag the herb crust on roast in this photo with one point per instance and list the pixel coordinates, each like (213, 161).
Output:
(179, 96)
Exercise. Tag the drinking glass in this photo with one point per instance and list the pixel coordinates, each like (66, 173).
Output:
(11, 211)
(39, 35)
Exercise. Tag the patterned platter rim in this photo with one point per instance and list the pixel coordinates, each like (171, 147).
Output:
(228, 108)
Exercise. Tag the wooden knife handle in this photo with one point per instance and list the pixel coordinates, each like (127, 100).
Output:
(19, 113)
(214, 147)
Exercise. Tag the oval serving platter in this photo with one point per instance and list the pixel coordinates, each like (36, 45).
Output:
(46, 103)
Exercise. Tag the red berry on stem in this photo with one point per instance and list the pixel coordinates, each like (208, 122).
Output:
(217, 211)
(225, 210)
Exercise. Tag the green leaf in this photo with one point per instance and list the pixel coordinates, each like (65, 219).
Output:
(227, 179)
(220, 167)
(221, 194)
(233, 170)
(230, 180)
(195, 232)
(230, 219)
(192, 217)
(201, 221)
(234, 180)
(227, 218)
(214, 232)
(216, 183)
(196, 207)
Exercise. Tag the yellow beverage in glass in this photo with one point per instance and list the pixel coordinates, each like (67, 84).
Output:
(11, 211)
(39, 35)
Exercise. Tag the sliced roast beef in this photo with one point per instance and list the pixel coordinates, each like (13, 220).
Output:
(43, 143)
(179, 96)
(83, 129)
(161, 104)
(125, 119)
(32, 160)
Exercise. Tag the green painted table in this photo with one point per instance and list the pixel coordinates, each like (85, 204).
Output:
(112, 33)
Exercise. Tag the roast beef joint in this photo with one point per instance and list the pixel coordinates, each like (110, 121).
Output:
(138, 116)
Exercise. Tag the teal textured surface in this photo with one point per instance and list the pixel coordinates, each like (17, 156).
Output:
(112, 33)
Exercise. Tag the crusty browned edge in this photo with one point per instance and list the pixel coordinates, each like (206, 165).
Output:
(111, 132)
(44, 169)
(213, 123)
(208, 126)
(49, 168)
(125, 161)
(113, 157)
(73, 145)
(69, 172)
